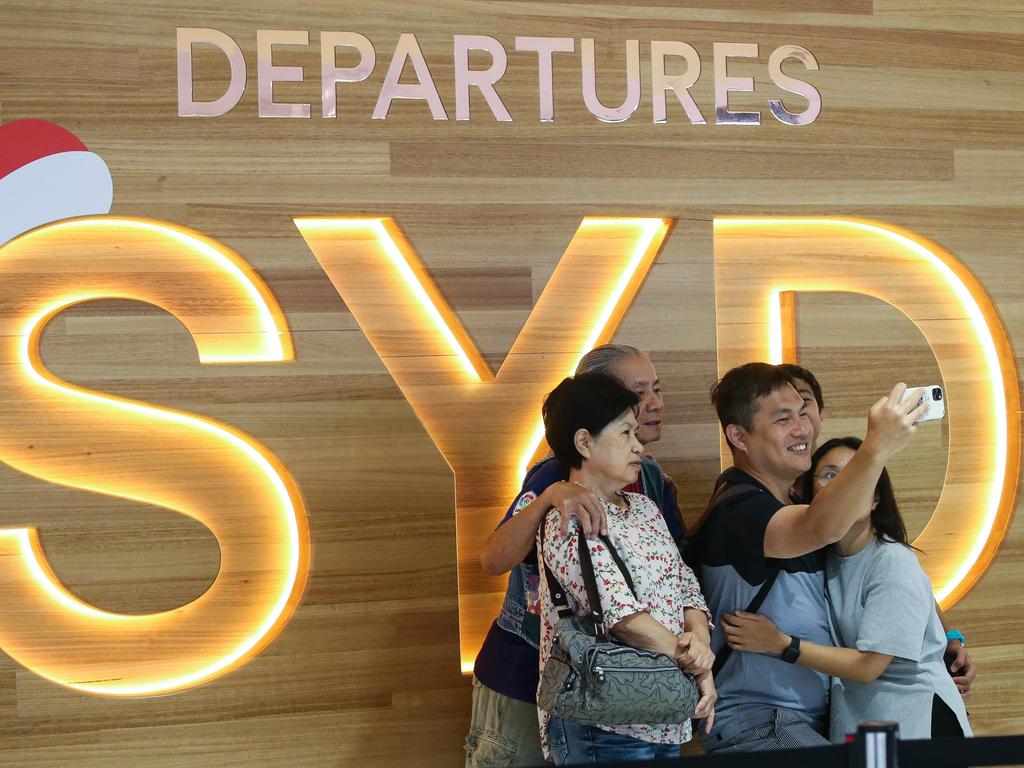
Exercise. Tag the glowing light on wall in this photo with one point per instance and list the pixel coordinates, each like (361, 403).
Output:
(761, 263)
(484, 423)
(68, 435)
(410, 270)
(648, 240)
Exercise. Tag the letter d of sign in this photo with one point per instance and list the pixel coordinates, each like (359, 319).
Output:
(187, 106)
(761, 263)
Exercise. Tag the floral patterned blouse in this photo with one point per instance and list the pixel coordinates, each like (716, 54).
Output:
(665, 585)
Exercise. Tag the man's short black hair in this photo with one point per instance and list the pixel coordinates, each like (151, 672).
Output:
(799, 372)
(590, 401)
(735, 394)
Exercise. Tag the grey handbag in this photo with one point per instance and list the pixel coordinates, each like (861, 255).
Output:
(593, 679)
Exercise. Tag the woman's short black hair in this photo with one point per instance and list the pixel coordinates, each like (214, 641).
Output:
(885, 517)
(590, 401)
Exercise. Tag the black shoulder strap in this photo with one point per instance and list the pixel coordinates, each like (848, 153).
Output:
(755, 604)
(559, 599)
(723, 493)
(618, 562)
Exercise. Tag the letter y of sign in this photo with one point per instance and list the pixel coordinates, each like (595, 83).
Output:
(487, 425)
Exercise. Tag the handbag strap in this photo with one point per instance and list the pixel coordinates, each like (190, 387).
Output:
(559, 597)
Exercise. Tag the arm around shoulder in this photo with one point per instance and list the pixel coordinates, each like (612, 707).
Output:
(510, 543)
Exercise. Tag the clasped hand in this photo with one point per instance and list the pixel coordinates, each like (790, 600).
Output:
(694, 657)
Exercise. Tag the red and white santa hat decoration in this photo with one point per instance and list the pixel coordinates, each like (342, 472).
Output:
(47, 174)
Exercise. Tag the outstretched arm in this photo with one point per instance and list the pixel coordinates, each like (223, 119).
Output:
(799, 529)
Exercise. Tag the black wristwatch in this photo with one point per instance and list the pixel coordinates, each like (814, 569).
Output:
(792, 653)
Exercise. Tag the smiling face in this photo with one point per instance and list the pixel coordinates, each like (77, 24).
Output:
(637, 374)
(611, 458)
(777, 447)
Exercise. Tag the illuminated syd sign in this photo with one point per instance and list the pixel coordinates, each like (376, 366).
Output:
(484, 422)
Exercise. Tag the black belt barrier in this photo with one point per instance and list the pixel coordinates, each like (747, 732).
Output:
(871, 749)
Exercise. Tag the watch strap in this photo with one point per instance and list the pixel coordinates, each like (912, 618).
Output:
(792, 653)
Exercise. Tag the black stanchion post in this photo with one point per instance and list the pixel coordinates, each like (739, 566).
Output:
(875, 746)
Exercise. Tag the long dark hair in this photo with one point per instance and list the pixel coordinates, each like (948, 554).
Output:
(885, 517)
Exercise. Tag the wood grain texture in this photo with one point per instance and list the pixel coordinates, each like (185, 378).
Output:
(920, 128)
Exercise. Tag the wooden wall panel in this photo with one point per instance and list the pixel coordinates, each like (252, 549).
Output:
(920, 128)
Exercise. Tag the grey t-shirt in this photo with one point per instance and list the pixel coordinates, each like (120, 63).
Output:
(882, 601)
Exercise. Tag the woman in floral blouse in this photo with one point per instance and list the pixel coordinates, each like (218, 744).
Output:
(590, 423)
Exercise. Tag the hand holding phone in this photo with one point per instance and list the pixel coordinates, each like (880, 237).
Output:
(933, 396)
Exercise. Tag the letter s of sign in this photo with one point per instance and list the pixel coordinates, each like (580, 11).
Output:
(64, 434)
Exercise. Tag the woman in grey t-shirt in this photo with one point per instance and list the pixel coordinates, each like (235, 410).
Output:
(888, 660)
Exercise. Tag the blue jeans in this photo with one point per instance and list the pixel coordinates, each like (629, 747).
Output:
(573, 743)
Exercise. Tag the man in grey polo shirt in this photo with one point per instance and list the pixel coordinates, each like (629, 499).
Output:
(753, 530)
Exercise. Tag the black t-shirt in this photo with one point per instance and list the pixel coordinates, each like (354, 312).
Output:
(730, 550)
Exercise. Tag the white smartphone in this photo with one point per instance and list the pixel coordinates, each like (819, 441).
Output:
(934, 396)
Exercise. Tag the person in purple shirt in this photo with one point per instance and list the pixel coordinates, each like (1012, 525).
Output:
(503, 728)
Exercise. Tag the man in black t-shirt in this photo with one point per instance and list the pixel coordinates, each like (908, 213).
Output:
(754, 529)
